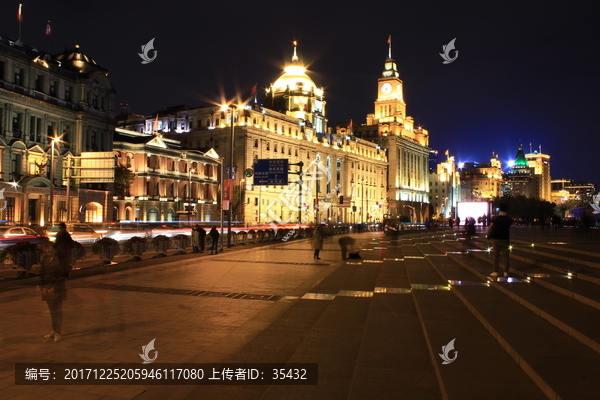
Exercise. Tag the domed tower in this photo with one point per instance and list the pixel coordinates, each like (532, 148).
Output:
(294, 93)
(96, 94)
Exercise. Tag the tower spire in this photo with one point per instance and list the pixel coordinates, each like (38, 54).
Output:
(295, 56)
(389, 47)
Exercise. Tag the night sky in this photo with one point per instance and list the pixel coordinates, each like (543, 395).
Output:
(525, 73)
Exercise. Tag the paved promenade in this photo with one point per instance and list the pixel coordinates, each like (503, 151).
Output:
(375, 326)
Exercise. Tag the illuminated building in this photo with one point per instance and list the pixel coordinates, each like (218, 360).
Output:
(540, 163)
(408, 172)
(529, 176)
(568, 189)
(444, 188)
(344, 177)
(170, 184)
(66, 96)
(519, 175)
(483, 180)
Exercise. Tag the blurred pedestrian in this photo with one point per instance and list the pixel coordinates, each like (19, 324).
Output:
(201, 238)
(198, 238)
(346, 244)
(470, 228)
(317, 241)
(64, 243)
(499, 233)
(214, 235)
(53, 276)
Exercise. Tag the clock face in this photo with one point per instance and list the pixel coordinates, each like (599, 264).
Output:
(386, 88)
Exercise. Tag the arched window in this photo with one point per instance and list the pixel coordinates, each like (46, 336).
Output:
(93, 212)
(153, 214)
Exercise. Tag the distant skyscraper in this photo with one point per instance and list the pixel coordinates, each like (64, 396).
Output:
(529, 176)
(519, 175)
(541, 175)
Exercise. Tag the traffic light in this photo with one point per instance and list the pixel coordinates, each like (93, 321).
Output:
(341, 199)
(249, 172)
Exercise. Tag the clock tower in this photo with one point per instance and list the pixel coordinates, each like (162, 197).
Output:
(390, 105)
(407, 146)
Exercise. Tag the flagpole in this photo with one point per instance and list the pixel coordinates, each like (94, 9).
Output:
(48, 31)
(390, 47)
(20, 18)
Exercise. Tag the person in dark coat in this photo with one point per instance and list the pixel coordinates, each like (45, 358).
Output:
(53, 276)
(63, 244)
(201, 238)
(214, 234)
(499, 233)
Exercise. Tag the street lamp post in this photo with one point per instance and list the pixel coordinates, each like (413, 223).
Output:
(362, 199)
(191, 170)
(229, 212)
(52, 172)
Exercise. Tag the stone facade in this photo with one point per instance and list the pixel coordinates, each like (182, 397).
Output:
(170, 184)
(66, 96)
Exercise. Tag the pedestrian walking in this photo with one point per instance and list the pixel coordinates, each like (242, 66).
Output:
(201, 238)
(53, 276)
(214, 235)
(317, 241)
(499, 233)
(346, 244)
(63, 244)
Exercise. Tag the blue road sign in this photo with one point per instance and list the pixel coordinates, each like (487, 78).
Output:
(271, 172)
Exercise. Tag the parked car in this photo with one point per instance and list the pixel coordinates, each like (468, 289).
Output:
(10, 235)
(81, 233)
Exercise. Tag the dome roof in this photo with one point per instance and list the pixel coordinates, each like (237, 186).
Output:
(294, 77)
(75, 55)
(77, 61)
